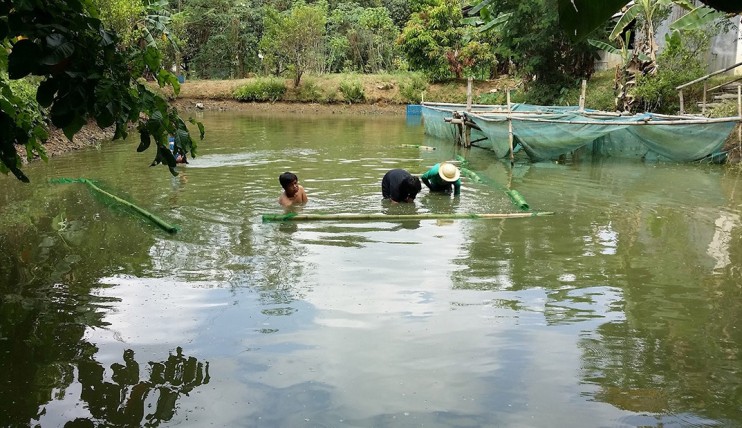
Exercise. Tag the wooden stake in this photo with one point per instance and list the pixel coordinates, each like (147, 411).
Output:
(682, 108)
(703, 106)
(468, 94)
(582, 95)
(739, 113)
(510, 131)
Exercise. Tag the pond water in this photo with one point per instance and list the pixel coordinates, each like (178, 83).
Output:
(622, 309)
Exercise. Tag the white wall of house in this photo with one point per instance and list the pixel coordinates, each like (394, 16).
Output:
(607, 61)
(725, 49)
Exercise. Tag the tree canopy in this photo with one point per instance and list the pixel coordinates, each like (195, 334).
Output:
(82, 73)
(439, 41)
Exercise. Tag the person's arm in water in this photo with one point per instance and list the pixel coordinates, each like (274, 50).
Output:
(457, 187)
(425, 178)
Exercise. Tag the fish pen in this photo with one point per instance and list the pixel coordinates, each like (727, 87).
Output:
(549, 132)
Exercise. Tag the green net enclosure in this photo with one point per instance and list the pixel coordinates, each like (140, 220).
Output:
(547, 132)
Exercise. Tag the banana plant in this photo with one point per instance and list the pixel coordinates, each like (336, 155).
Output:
(156, 22)
(580, 17)
(480, 17)
(648, 10)
(626, 73)
(698, 17)
(623, 50)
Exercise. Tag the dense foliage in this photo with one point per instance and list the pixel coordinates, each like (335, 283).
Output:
(532, 44)
(678, 63)
(439, 42)
(236, 38)
(80, 72)
(261, 90)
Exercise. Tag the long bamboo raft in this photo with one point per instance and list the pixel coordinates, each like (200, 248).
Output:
(397, 217)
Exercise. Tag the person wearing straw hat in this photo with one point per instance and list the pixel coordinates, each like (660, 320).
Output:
(441, 177)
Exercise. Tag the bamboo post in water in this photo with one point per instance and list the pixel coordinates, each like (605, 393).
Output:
(510, 130)
(396, 217)
(468, 94)
(467, 135)
(467, 129)
(680, 96)
(582, 95)
(739, 113)
(705, 90)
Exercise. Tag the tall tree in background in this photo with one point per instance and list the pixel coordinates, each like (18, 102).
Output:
(399, 11)
(122, 16)
(221, 37)
(360, 39)
(530, 44)
(378, 29)
(295, 39)
(437, 41)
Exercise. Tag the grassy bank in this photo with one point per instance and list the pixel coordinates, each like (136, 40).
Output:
(391, 89)
(402, 88)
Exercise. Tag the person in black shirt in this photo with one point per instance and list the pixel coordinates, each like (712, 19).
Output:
(400, 186)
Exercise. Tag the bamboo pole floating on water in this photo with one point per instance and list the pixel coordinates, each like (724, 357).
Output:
(382, 217)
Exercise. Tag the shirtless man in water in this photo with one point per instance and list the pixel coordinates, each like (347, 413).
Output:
(293, 193)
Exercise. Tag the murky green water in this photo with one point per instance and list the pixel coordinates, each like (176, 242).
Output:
(620, 310)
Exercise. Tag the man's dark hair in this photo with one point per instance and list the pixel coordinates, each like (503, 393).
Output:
(410, 187)
(287, 178)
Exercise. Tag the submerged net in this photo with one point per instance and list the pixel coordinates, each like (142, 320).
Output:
(115, 199)
(515, 197)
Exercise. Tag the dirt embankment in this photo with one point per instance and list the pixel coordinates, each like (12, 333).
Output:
(201, 103)
(89, 135)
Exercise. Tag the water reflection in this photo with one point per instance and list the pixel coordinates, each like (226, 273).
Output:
(621, 309)
(127, 400)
